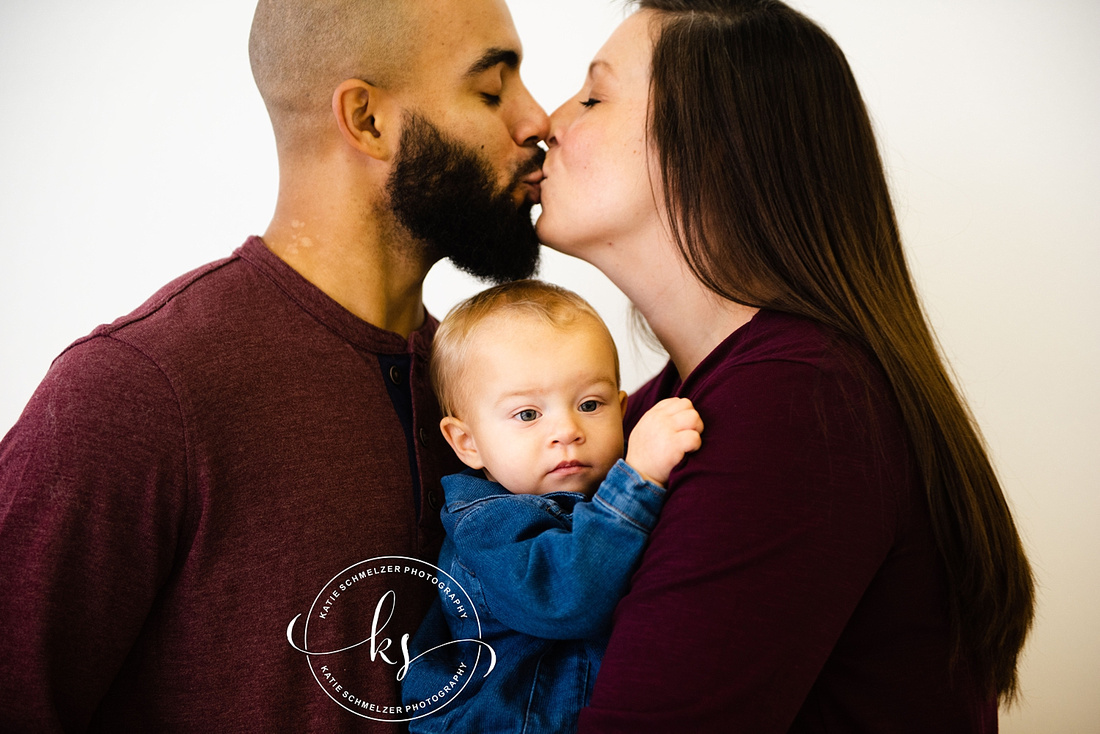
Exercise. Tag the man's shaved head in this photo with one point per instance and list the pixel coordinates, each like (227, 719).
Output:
(301, 50)
(403, 124)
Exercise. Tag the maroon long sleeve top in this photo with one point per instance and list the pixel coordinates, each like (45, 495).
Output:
(193, 478)
(792, 582)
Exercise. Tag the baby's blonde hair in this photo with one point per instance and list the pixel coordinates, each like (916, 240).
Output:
(552, 304)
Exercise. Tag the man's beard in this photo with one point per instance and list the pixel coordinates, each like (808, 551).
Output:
(442, 192)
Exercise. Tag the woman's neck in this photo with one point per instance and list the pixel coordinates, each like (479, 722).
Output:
(687, 318)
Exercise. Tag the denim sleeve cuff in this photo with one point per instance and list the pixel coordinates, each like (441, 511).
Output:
(626, 494)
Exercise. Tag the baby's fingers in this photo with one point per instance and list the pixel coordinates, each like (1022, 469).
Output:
(689, 440)
(680, 410)
(689, 420)
(671, 406)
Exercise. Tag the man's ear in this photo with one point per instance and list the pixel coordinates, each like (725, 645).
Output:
(462, 441)
(366, 117)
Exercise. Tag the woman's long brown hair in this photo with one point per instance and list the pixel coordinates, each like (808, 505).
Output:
(778, 199)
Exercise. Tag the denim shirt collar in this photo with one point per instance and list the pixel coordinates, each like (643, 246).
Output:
(470, 487)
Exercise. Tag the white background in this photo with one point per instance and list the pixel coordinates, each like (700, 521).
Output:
(134, 147)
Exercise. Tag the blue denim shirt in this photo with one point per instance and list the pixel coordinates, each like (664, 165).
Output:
(544, 573)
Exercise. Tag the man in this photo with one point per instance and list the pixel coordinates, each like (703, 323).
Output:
(206, 507)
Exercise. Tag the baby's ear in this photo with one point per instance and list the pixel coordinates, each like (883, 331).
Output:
(462, 441)
(622, 401)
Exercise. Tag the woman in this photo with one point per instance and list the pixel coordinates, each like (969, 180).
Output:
(839, 555)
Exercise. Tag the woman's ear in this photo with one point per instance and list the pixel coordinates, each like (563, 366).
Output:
(462, 441)
(366, 118)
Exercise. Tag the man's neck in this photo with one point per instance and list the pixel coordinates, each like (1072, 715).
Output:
(356, 262)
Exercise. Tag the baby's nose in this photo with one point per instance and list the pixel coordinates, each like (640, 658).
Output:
(567, 431)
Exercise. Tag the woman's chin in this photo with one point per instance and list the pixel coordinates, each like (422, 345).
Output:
(564, 236)
(547, 233)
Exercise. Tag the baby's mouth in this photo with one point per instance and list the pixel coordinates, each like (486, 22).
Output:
(569, 467)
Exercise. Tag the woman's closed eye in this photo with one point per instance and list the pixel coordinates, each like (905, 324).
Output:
(590, 102)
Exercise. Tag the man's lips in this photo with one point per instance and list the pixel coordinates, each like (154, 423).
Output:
(532, 183)
(530, 175)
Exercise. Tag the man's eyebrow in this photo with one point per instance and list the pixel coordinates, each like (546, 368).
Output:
(491, 58)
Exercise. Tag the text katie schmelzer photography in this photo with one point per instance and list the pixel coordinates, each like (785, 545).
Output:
(370, 585)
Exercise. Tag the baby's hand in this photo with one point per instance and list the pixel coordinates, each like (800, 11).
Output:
(664, 434)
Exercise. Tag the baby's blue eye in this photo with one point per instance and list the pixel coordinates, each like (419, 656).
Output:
(589, 406)
(527, 415)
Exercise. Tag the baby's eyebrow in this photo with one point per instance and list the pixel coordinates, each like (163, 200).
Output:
(521, 393)
(537, 392)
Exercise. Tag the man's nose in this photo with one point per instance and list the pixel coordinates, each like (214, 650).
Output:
(533, 124)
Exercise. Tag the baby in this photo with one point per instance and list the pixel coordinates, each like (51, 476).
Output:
(528, 379)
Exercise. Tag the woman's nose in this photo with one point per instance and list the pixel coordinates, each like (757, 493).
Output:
(558, 121)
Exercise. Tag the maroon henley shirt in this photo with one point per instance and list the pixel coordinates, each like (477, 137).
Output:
(190, 479)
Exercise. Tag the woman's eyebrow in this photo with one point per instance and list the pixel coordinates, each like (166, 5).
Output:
(491, 58)
(601, 65)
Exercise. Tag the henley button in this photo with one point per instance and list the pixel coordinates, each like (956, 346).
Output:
(395, 374)
(433, 499)
(423, 437)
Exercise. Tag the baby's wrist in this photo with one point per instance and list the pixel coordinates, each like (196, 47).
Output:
(647, 473)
